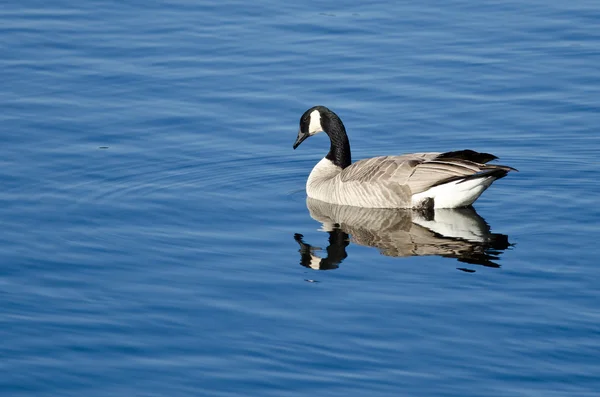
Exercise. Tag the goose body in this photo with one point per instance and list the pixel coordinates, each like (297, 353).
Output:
(418, 180)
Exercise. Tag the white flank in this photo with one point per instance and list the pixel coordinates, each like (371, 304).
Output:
(315, 123)
(454, 194)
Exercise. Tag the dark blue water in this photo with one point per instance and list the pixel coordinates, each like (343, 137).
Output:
(151, 203)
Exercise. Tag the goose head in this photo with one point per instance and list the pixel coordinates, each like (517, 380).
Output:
(320, 119)
(312, 122)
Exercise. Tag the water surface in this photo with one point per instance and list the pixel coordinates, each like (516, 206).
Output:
(151, 202)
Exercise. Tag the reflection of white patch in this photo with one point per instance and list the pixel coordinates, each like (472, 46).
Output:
(453, 224)
(315, 123)
(327, 227)
(315, 262)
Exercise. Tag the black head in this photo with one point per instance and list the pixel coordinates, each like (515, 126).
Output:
(318, 119)
(313, 121)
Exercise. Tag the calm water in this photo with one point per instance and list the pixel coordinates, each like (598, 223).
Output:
(156, 238)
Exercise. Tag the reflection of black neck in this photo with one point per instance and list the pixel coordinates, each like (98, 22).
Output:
(339, 151)
(336, 251)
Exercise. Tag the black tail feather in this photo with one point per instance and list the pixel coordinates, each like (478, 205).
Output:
(485, 173)
(469, 155)
(496, 173)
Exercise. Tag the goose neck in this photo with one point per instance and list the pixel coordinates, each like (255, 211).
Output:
(339, 151)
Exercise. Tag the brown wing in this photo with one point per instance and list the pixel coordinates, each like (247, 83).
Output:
(421, 171)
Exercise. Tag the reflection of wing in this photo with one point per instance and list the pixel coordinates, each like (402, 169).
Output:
(454, 233)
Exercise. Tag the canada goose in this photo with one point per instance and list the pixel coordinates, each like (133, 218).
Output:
(418, 180)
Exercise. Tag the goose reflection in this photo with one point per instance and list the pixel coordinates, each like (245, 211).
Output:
(451, 233)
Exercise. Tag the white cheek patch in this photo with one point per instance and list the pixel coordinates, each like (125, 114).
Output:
(315, 123)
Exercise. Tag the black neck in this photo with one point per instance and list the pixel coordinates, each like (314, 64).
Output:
(339, 152)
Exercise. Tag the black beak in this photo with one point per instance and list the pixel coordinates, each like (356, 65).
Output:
(301, 137)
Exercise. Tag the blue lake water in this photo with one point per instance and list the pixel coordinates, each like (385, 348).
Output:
(156, 239)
